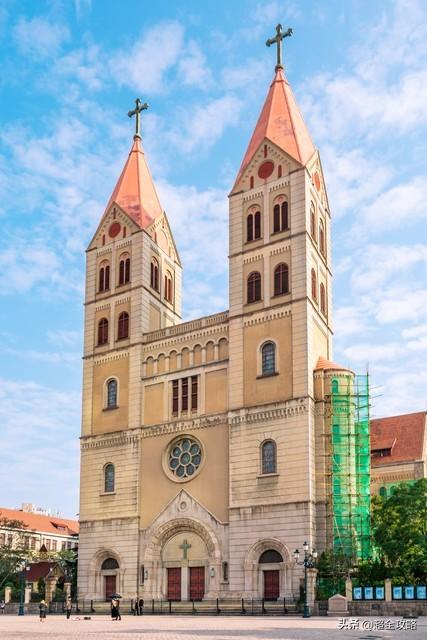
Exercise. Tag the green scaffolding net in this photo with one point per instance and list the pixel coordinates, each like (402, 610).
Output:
(350, 466)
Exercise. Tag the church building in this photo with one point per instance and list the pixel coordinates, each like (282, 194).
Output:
(207, 446)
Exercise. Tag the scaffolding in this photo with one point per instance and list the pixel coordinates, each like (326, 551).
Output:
(350, 466)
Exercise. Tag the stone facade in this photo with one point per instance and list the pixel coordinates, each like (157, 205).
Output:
(227, 529)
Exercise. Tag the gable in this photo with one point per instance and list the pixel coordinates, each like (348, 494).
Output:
(115, 224)
(161, 234)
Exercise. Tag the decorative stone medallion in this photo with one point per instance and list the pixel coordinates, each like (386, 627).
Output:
(266, 169)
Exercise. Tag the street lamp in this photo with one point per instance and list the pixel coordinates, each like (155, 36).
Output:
(21, 591)
(308, 562)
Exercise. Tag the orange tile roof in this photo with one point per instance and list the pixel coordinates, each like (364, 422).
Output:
(325, 364)
(280, 122)
(135, 192)
(38, 570)
(39, 522)
(404, 435)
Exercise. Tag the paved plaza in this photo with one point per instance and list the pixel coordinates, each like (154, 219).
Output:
(208, 628)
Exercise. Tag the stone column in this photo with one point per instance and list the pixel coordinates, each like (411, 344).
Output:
(50, 589)
(27, 596)
(387, 590)
(67, 590)
(349, 589)
(7, 594)
(184, 580)
(311, 586)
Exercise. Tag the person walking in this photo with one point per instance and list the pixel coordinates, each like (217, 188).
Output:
(2, 605)
(136, 606)
(141, 606)
(43, 610)
(68, 606)
(119, 617)
(114, 609)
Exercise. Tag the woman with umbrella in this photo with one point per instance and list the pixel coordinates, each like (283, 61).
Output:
(115, 607)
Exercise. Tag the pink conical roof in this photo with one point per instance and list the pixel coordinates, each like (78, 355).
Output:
(135, 192)
(282, 123)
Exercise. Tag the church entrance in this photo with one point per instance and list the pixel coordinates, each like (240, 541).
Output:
(271, 584)
(197, 583)
(110, 586)
(174, 584)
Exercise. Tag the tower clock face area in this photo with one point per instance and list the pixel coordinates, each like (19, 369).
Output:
(266, 169)
(114, 229)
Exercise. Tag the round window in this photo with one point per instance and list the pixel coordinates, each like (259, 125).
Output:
(185, 457)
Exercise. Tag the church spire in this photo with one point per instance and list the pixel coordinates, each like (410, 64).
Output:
(280, 120)
(135, 192)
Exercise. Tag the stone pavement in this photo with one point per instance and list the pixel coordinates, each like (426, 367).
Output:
(195, 628)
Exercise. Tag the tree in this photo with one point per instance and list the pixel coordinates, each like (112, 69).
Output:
(12, 556)
(399, 524)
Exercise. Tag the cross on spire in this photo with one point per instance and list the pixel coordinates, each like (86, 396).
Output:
(140, 106)
(185, 547)
(280, 35)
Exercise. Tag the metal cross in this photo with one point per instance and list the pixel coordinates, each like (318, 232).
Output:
(185, 546)
(140, 106)
(278, 40)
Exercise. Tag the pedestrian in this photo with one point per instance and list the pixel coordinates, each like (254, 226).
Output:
(68, 606)
(2, 605)
(119, 617)
(141, 606)
(114, 609)
(136, 607)
(43, 610)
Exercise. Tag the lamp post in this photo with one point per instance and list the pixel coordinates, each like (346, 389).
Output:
(308, 562)
(21, 591)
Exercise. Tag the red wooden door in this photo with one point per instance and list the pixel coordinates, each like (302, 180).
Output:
(110, 586)
(271, 584)
(174, 584)
(197, 583)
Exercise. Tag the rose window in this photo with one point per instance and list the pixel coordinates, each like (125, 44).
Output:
(185, 457)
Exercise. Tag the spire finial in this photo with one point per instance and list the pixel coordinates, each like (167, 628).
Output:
(140, 106)
(280, 35)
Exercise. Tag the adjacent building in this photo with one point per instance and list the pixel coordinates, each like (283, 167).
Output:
(398, 451)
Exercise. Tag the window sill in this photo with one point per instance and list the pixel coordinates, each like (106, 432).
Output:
(122, 285)
(276, 233)
(108, 493)
(121, 339)
(267, 375)
(110, 408)
(254, 301)
(254, 240)
(266, 476)
(279, 295)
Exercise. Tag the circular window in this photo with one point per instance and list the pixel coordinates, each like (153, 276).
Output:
(266, 169)
(184, 458)
(114, 230)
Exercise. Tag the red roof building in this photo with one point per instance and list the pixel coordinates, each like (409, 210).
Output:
(57, 534)
(398, 450)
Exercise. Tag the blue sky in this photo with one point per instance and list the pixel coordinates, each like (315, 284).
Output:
(70, 72)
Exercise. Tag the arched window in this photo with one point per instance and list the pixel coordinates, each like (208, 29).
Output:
(323, 299)
(312, 222)
(109, 563)
(124, 269)
(383, 492)
(250, 228)
(281, 279)
(154, 274)
(322, 241)
(112, 394)
(251, 182)
(268, 359)
(104, 277)
(254, 287)
(253, 226)
(268, 457)
(168, 286)
(103, 331)
(109, 479)
(313, 285)
(270, 556)
(280, 217)
(123, 326)
(335, 386)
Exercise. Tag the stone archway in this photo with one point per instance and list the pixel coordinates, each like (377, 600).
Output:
(107, 570)
(254, 570)
(183, 544)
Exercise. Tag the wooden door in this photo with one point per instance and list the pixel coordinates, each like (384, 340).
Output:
(174, 584)
(197, 583)
(110, 586)
(271, 584)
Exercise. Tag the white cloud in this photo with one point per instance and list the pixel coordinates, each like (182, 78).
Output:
(143, 65)
(40, 38)
(25, 267)
(64, 337)
(192, 67)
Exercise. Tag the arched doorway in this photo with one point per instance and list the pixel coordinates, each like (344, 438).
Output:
(270, 561)
(109, 571)
(185, 561)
